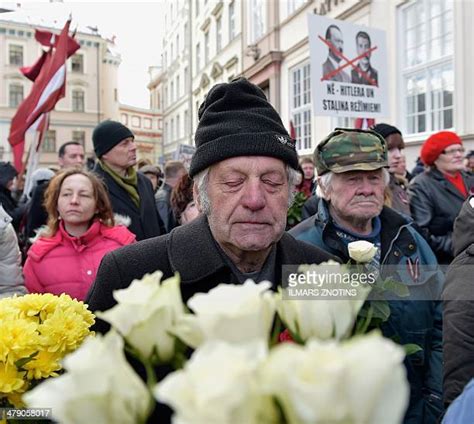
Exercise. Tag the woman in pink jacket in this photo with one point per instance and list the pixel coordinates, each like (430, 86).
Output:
(80, 231)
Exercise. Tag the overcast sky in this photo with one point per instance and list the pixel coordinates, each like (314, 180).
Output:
(137, 27)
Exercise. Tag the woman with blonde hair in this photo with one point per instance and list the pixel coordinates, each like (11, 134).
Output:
(80, 231)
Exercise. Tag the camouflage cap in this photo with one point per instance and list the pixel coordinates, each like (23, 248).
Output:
(347, 149)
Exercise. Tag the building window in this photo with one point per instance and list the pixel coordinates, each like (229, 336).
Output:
(77, 63)
(231, 21)
(206, 47)
(124, 119)
(257, 15)
(177, 87)
(427, 66)
(172, 129)
(16, 95)
(15, 53)
(77, 101)
(197, 7)
(198, 57)
(178, 127)
(172, 91)
(300, 105)
(186, 122)
(290, 6)
(79, 137)
(147, 123)
(136, 121)
(172, 52)
(218, 34)
(49, 142)
(186, 79)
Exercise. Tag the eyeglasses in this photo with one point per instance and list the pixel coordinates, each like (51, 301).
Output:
(452, 152)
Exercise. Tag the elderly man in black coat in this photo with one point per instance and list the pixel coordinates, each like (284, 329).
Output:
(244, 170)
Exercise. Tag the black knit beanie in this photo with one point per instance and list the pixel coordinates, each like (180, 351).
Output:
(236, 119)
(107, 135)
(385, 130)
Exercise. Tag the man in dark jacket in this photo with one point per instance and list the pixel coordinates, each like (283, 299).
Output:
(243, 170)
(243, 177)
(351, 183)
(131, 193)
(458, 303)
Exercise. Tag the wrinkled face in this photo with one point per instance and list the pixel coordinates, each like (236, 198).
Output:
(122, 155)
(248, 198)
(73, 157)
(451, 160)
(76, 202)
(356, 196)
(336, 40)
(308, 170)
(362, 45)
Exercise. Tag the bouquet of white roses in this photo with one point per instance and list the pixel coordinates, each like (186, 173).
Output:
(238, 372)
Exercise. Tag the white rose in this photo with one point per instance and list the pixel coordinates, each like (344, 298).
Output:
(217, 385)
(361, 381)
(361, 251)
(99, 387)
(228, 312)
(321, 319)
(308, 384)
(377, 389)
(146, 312)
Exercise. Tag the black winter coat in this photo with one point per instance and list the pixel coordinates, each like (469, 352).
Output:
(435, 204)
(144, 221)
(458, 307)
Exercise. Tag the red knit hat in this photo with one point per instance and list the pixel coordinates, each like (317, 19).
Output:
(435, 144)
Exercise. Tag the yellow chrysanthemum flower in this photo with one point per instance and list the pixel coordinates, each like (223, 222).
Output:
(37, 305)
(10, 378)
(15, 399)
(44, 365)
(18, 339)
(63, 331)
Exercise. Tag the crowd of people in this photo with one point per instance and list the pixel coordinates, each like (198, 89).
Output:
(225, 219)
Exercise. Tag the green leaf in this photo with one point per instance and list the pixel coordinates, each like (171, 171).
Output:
(395, 287)
(23, 361)
(411, 348)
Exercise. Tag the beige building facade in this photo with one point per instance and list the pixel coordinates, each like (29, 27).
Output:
(91, 86)
(147, 127)
(429, 61)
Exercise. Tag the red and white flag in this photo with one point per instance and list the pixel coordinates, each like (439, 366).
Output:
(48, 88)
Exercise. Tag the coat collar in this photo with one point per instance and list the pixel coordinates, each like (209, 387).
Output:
(438, 175)
(193, 251)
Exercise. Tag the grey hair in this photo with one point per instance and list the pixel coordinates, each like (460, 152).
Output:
(201, 181)
(324, 182)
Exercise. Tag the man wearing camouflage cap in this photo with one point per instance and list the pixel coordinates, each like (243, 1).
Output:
(352, 178)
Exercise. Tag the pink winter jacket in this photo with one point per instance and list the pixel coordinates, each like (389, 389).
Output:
(67, 264)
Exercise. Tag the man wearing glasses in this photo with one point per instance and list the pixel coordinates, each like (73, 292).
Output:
(436, 196)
